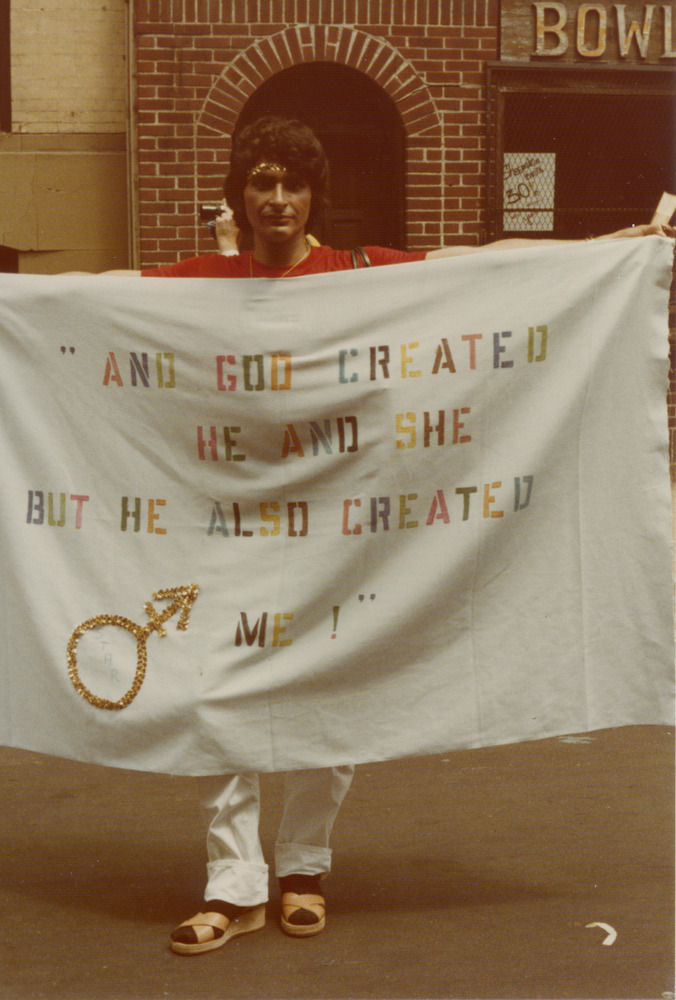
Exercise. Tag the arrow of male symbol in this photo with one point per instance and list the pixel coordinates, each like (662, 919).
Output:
(181, 602)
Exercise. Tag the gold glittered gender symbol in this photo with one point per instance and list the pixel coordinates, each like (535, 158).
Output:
(181, 601)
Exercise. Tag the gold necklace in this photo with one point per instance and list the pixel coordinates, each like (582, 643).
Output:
(298, 262)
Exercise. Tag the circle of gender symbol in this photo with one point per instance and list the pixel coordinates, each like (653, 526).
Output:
(182, 599)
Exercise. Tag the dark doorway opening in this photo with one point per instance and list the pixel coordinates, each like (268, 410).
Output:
(361, 131)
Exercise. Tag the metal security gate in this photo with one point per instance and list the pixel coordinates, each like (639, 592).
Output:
(578, 152)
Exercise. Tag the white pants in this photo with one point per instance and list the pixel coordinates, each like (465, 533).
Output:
(237, 872)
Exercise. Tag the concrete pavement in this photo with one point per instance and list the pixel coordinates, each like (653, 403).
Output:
(466, 875)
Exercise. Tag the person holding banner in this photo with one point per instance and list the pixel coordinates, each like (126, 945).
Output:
(277, 187)
(275, 207)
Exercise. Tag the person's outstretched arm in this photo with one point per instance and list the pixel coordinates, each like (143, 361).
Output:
(650, 229)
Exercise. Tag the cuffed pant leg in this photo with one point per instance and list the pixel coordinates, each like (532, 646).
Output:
(237, 872)
(311, 803)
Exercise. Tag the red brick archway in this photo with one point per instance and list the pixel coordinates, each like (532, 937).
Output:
(320, 43)
(367, 54)
(198, 64)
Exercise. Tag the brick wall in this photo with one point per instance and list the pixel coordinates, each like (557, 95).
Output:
(199, 60)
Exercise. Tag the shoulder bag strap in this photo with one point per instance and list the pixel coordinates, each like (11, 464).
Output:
(360, 258)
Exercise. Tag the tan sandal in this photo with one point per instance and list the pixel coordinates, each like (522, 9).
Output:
(303, 914)
(206, 925)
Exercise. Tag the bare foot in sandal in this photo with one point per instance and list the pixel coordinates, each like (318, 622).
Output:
(218, 923)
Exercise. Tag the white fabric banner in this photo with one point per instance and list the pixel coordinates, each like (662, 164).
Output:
(268, 525)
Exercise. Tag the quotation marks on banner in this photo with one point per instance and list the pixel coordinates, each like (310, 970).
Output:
(336, 612)
(71, 350)
(182, 600)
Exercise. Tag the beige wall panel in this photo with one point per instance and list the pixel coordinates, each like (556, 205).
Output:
(58, 261)
(68, 66)
(63, 201)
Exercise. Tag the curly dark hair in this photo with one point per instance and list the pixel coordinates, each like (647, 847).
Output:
(277, 140)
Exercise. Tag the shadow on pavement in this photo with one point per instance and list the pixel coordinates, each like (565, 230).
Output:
(473, 874)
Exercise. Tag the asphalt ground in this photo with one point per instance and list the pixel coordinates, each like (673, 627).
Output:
(473, 874)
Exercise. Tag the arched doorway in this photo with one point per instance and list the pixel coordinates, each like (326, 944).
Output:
(361, 131)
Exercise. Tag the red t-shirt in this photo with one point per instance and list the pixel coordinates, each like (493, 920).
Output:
(319, 260)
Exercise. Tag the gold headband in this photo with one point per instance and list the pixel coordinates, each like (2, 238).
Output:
(273, 168)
